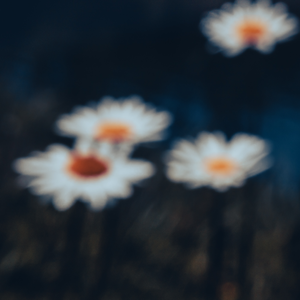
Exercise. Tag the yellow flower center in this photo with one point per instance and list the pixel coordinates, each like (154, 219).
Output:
(87, 166)
(113, 132)
(251, 31)
(221, 166)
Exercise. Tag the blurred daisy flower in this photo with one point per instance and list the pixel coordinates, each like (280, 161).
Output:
(211, 161)
(260, 25)
(129, 121)
(83, 173)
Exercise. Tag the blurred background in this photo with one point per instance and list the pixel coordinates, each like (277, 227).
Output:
(165, 242)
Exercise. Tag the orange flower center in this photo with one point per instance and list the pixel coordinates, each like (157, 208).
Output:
(87, 166)
(251, 31)
(220, 166)
(113, 131)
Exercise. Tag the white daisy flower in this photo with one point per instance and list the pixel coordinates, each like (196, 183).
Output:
(211, 161)
(67, 175)
(260, 25)
(129, 120)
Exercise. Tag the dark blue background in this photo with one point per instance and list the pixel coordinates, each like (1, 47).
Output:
(55, 55)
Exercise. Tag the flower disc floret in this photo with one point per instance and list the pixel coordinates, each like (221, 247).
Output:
(259, 25)
(211, 161)
(125, 120)
(87, 166)
(67, 175)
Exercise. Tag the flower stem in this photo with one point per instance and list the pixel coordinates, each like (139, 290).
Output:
(216, 247)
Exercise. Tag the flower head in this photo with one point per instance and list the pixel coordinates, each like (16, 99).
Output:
(128, 120)
(67, 175)
(211, 161)
(260, 25)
